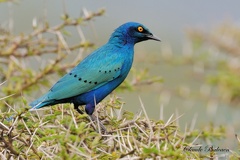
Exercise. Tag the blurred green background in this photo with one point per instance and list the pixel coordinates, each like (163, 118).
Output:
(188, 60)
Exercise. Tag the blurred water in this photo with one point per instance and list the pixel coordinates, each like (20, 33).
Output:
(166, 19)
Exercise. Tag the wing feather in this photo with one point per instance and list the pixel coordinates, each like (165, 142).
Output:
(93, 72)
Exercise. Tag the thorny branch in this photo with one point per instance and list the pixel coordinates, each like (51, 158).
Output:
(16, 50)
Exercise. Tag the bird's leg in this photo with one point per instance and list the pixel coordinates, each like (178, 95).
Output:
(92, 117)
(76, 107)
(89, 108)
(99, 123)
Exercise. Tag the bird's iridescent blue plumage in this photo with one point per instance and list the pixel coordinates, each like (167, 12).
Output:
(100, 72)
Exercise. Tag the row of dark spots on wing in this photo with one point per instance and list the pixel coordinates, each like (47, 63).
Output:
(80, 79)
(117, 69)
(109, 70)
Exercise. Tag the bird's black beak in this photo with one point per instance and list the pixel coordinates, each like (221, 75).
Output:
(153, 37)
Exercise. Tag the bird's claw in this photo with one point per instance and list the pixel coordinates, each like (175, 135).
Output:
(102, 128)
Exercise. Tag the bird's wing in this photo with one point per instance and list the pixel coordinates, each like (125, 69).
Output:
(90, 74)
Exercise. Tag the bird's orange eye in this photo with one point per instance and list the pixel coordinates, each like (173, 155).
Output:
(140, 29)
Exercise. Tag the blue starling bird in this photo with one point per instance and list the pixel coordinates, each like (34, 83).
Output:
(99, 73)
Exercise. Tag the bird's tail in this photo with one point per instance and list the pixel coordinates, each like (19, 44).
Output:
(40, 102)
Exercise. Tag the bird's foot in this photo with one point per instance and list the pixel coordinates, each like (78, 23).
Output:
(102, 128)
(79, 111)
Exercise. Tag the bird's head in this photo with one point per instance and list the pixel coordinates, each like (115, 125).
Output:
(131, 33)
